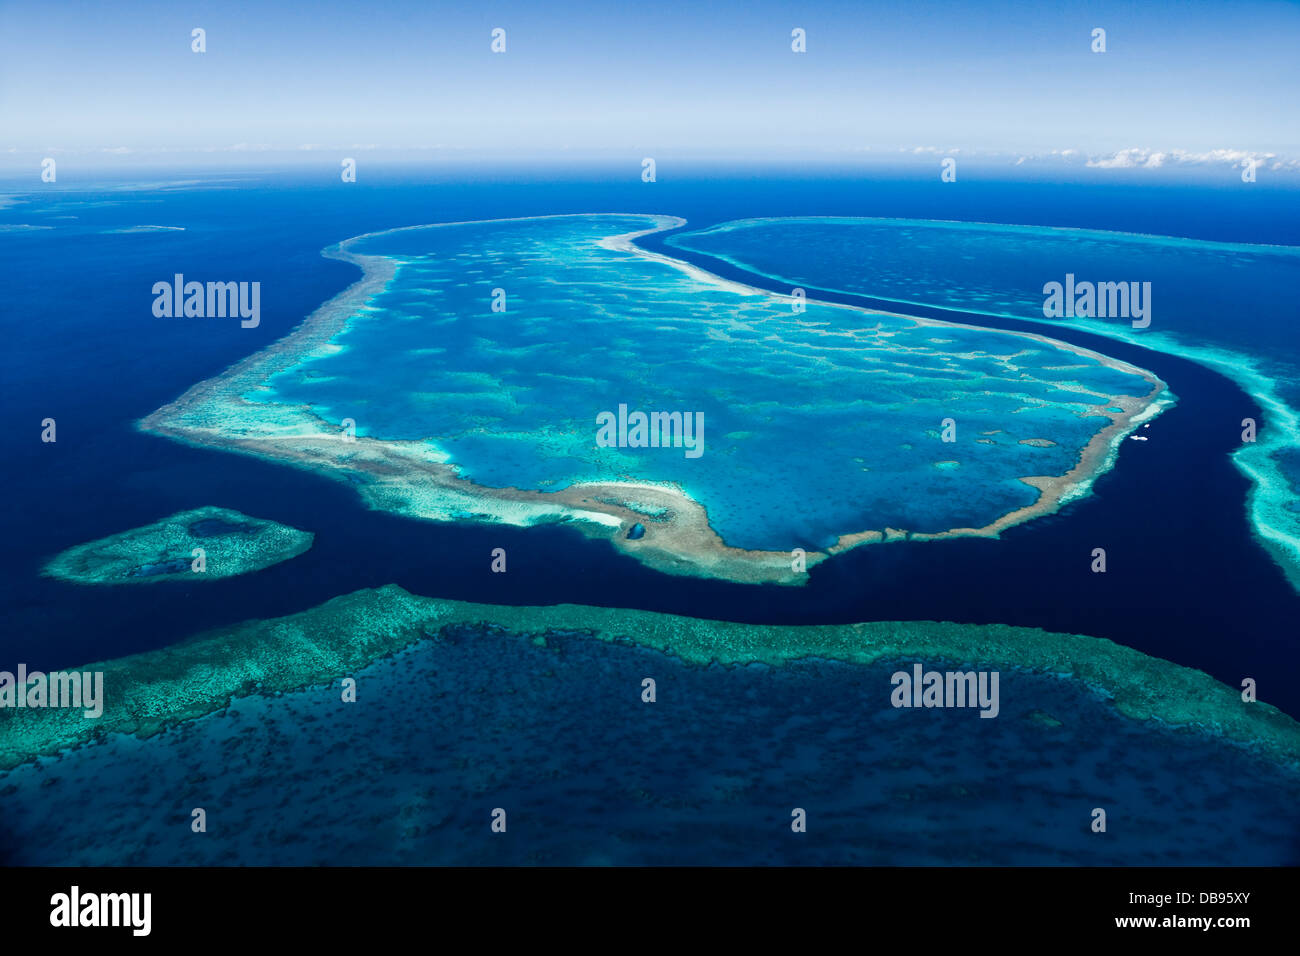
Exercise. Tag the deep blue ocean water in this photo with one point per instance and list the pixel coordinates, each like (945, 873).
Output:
(1186, 582)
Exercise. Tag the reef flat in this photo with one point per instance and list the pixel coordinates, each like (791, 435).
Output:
(151, 692)
(231, 543)
(823, 427)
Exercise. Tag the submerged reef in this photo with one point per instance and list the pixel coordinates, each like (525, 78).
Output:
(231, 543)
(748, 424)
(147, 693)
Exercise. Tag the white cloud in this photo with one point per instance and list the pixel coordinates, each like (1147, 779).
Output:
(1141, 158)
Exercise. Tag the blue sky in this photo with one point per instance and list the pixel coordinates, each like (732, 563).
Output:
(690, 79)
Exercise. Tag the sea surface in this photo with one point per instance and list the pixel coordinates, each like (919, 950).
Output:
(1187, 581)
(444, 734)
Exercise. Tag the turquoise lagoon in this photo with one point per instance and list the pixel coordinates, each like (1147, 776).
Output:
(817, 423)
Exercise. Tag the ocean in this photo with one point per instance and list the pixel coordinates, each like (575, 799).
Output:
(1187, 581)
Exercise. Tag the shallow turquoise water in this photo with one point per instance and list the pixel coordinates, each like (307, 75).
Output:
(815, 424)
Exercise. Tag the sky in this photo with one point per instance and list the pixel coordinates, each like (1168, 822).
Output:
(1178, 81)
